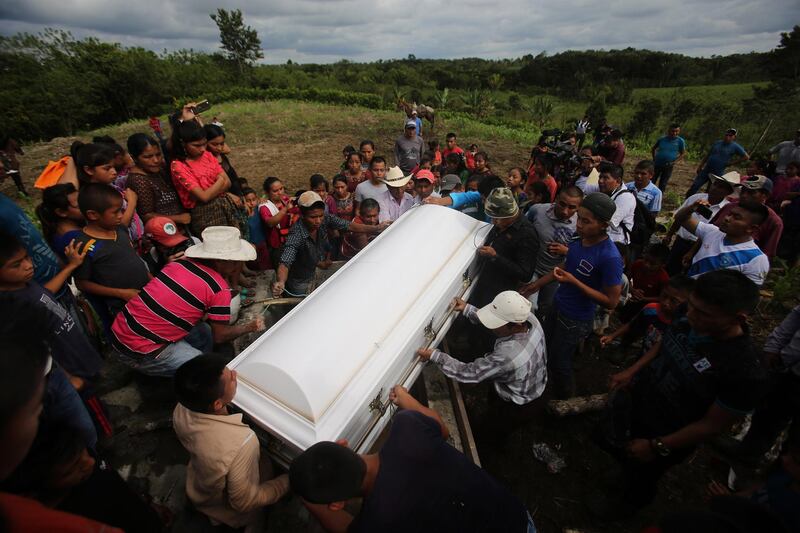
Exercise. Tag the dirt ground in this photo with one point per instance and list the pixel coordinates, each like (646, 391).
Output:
(292, 142)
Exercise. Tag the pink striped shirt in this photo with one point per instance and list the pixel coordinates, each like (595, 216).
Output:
(169, 306)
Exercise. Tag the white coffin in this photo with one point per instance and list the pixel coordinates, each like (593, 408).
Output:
(324, 371)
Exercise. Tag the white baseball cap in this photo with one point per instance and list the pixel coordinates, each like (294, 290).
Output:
(508, 306)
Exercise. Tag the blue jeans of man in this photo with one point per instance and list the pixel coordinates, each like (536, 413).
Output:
(196, 342)
(563, 334)
(699, 180)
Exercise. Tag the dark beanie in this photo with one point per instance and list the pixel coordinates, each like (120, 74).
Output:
(600, 204)
(327, 472)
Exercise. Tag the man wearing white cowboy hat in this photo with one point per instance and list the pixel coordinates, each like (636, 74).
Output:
(516, 365)
(395, 201)
(162, 328)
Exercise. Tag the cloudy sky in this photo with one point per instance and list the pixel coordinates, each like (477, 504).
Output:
(325, 31)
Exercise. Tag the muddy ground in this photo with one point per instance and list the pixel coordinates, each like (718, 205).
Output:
(146, 452)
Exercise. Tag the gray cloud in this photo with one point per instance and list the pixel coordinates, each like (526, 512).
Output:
(360, 30)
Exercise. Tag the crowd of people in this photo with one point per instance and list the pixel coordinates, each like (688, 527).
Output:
(163, 239)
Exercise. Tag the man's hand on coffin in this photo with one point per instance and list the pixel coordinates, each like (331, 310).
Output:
(258, 324)
(487, 251)
(425, 353)
(400, 396)
(438, 201)
(458, 304)
(277, 289)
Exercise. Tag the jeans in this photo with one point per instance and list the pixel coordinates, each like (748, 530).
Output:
(563, 334)
(661, 176)
(699, 180)
(63, 406)
(198, 341)
(531, 525)
(543, 299)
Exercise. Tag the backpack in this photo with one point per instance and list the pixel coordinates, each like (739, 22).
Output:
(644, 222)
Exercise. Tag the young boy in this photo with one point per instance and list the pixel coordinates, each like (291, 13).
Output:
(112, 272)
(423, 186)
(223, 479)
(591, 275)
(368, 214)
(250, 200)
(516, 182)
(702, 377)
(655, 317)
(643, 186)
(648, 278)
(729, 246)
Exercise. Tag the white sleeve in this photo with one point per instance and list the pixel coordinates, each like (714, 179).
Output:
(704, 229)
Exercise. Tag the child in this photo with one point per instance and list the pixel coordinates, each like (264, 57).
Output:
(469, 157)
(472, 209)
(454, 164)
(591, 275)
(481, 164)
(250, 200)
(168, 243)
(516, 182)
(649, 277)
(94, 163)
(368, 214)
(122, 160)
(651, 321)
(433, 146)
(200, 181)
(449, 184)
(344, 199)
(277, 214)
(645, 189)
(60, 217)
(71, 348)
(542, 171)
(423, 186)
(320, 185)
(535, 193)
(346, 151)
(112, 272)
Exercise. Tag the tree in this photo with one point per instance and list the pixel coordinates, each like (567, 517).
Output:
(240, 42)
(542, 110)
(440, 98)
(645, 118)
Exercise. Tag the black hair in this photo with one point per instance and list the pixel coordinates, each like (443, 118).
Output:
(368, 203)
(727, 290)
(758, 212)
(657, 251)
(56, 445)
(522, 173)
(473, 177)
(433, 144)
(547, 161)
(9, 245)
(366, 142)
(377, 159)
(615, 135)
(318, 179)
(682, 282)
(674, 125)
(489, 183)
(23, 357)
(53, 198)
(354, 154)
(212, 131)
(96, 197)
(349, 149)
(138, 143)
(188, 131)
(198, 382)
(761, 163)
(326, 473)
(248, 190)
(646, 165)
(269, 182)
(427, 157)
(572, 191)
(612, 169)
(340, 177)
(90, 155)
(538, 188)
(450, 135)
(482, 154)
(110, 142)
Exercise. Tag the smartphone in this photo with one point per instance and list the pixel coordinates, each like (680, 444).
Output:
(205, 105)
(704, 212)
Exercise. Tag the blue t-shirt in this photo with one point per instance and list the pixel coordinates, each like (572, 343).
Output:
(650, 196)
(720, 155)
(15, 221)
(597, 266)
(668, 150)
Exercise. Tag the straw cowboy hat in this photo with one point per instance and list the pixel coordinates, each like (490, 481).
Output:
(223, 243)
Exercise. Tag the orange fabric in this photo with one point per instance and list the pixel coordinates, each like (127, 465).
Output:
(23, 515)
(52, 173)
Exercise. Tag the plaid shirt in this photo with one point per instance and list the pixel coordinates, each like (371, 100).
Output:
(301, 253)
(517, 365)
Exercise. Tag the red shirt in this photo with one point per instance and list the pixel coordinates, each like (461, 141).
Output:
(649, 282)
(188, 175)
(768, 234)
(448, 151)
(169, 306)
(276, 235)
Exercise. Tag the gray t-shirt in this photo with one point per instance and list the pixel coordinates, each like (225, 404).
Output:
(550, 229)
(366, 189)
(787, 152)
(407, 152)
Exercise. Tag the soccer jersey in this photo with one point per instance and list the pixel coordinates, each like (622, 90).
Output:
(717, 254)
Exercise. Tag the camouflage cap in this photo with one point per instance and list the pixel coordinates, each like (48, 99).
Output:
(501, 203)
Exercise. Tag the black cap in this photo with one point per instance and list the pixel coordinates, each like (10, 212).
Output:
(327, 472)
